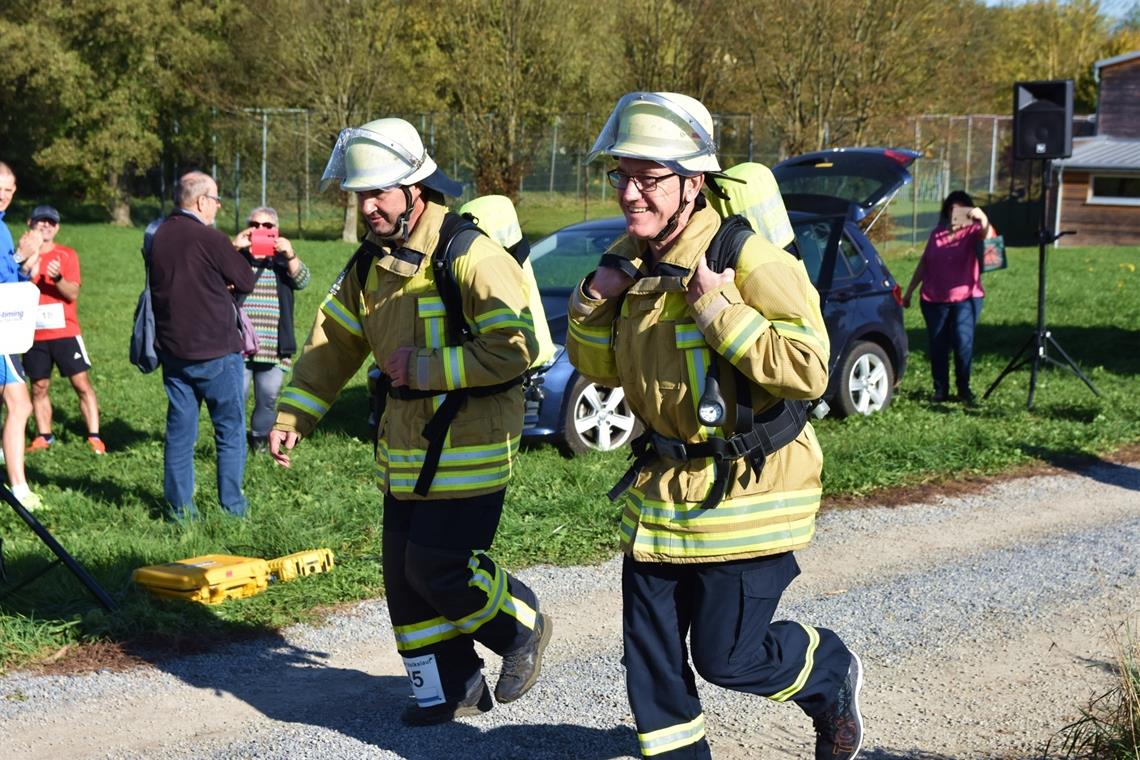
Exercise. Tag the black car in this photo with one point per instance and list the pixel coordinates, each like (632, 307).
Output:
(830, 196)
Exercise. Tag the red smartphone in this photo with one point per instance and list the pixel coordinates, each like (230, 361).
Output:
(263, 243)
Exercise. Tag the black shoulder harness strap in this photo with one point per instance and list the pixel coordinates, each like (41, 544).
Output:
(456, 235)
(756, 436)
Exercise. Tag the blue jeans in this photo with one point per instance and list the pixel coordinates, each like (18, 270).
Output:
(266, 379)
(950, 326)
(218, 382)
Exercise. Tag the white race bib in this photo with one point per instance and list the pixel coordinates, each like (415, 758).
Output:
(50, 317)
(424, 675)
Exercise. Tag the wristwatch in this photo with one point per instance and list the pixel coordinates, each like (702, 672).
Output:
(57, 277)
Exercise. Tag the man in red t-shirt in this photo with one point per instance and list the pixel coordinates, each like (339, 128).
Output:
(58, 341)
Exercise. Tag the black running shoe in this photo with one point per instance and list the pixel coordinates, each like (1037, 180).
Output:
(477, 700)
(522, 666)
(839, 729)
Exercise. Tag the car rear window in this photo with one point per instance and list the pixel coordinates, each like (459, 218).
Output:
(562, 259)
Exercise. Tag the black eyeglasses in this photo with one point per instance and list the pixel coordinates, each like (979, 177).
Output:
(645, 184)
(215, 198)
(266, 225)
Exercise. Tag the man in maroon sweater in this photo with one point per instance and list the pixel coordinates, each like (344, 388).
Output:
(194, 276)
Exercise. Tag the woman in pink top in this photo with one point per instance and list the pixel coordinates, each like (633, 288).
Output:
(952, 291)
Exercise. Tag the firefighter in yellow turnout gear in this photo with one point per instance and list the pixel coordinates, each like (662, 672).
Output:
(724, 487)
(451, 426)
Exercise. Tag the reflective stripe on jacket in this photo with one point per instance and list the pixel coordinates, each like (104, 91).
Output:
(767, 324)
(400, 306)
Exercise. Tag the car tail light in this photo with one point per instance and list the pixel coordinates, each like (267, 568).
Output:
(896, 291)
(898, 156)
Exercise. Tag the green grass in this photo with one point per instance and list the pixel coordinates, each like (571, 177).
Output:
(107, 511)
(1109, 726)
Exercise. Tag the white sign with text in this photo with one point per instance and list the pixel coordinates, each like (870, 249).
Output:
(19, 308)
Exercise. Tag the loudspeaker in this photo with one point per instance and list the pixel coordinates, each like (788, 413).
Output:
(1043, 119)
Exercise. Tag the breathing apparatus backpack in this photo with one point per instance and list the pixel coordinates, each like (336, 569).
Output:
(494, 216)
(749, 203)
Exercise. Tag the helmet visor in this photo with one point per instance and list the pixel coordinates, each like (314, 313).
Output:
(671, 151)
(335, 169)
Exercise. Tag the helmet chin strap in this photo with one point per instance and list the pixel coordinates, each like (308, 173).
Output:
(671, 225)
(401, 231)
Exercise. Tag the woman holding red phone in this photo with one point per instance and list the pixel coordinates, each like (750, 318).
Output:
(952, 292)
(270, 308)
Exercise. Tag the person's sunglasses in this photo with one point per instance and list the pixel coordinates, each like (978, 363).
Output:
(621, 180)
(266, 225)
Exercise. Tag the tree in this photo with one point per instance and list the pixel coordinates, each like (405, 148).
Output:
(1049, 39)
(828, 71)
(112, 73)
(671, 46)
(513, 66)
(349, 62)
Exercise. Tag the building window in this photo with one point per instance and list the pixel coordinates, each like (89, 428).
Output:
(1115, 189)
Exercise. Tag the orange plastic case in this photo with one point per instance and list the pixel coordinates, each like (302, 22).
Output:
(209, 579)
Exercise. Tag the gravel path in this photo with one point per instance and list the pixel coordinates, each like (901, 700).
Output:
(983, 622)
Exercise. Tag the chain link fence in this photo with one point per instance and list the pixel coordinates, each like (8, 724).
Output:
(275, 157)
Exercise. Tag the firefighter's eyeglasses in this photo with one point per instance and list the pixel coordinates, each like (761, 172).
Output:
(644, 184)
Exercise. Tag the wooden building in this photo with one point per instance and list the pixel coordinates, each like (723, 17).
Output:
(1099, 185)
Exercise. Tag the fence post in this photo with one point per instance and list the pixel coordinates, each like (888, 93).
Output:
(553, 153)
(914, 195)
(264, 151)
(237, 190)
(308, 174)
(969, 147)
(993, 156)
(750, 155)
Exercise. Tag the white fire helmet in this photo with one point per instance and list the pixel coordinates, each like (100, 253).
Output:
(382, 154)
(673, 130)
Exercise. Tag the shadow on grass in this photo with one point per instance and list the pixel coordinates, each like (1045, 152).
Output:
(349, 415)
(1106, 346)
(1089, 466)
(121, 435)
(115, 494)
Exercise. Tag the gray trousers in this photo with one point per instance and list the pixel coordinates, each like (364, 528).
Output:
(266, 379)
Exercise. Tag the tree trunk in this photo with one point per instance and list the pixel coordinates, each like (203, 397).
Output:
(121, 212)
(120, 202)
(348, 232)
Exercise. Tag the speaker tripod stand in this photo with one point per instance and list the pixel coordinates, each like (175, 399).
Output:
(1035, 350)
(62, 557)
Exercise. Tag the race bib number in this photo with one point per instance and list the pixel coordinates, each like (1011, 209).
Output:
(50, 317)
(424, 675)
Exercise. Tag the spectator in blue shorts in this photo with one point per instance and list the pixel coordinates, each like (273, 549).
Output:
(16, 265)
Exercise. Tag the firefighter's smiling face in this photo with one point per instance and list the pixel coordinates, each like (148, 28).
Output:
(647, 211)
(381, 209)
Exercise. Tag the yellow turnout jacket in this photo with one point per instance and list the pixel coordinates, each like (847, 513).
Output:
(399, 306)
(765, 323)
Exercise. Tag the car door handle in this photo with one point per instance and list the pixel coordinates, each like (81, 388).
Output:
(842, 295)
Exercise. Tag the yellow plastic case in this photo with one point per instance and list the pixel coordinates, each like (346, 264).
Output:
(209, 579)
(298, 564)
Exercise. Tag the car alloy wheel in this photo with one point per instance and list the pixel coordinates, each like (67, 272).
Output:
(867, 380)
(598, 418)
